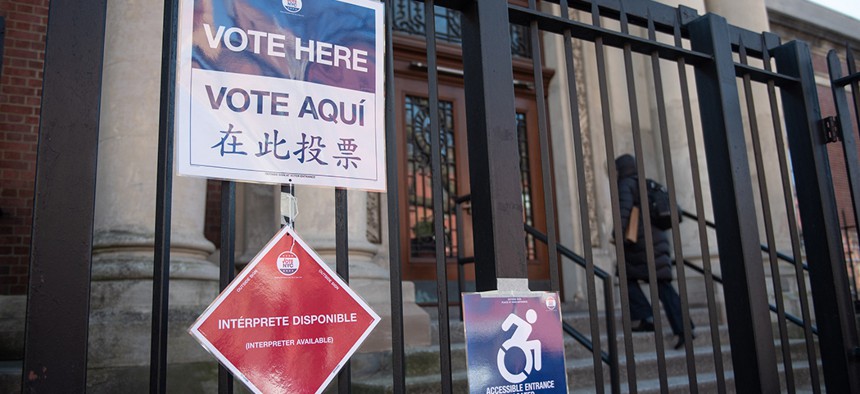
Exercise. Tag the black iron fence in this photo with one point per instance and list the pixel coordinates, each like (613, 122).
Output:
(745, 186)
(840, 128)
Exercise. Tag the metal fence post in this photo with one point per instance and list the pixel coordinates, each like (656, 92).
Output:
(492, 136)
(163, 203)
(753, 353)
(843, 114)
(821, 235)
(227, 263)
(58, 302)
(398, 344)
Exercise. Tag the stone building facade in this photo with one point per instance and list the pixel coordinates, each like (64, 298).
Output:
(126, 182)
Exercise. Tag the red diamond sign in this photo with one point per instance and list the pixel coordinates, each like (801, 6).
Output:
(287, 323)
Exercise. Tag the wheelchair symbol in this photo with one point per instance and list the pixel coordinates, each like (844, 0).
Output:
(520, 339)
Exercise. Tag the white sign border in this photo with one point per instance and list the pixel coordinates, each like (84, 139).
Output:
(182, 99)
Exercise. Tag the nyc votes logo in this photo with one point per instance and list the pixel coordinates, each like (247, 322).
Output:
(288, 263)
(292, 6)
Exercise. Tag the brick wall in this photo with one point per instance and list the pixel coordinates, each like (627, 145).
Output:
(20, 100)
(835, 151)
(820, 43)
(836, 154)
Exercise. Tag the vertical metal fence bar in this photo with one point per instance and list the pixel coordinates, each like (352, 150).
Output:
(492, 138)
(687, 334)
(776, 279)
(849, 255)
(548, 189)
(644, 208)
(609, 145)
(398, 353)
(227, 263)
(855, 85)
(288, 190)
(590, 277)
(771, 40)
(164, 195)
(834, 312)
(728, 167)
(853, 272)
(612, 341)
(55, 355)
(855, 92)
(438, 206)
(700, 213)
(341, 225)
(849, 143)
(461, 254)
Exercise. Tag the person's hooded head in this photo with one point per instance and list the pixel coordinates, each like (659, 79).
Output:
(625, 165)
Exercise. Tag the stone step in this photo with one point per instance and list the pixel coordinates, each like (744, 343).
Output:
(425, 360)
(642, 341)
(706, 382)
(645, 342)
(428, 384)
(423, 367)
(10, 376)
(580, 320)
(581, 372)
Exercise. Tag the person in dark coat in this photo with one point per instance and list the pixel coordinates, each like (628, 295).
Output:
(636, 258)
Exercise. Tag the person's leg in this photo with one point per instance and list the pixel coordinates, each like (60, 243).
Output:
(672, 305)
(640, 308)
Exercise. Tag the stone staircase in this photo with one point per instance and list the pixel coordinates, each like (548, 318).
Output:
(372, 372)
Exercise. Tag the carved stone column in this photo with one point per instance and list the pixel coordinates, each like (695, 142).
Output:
(681, 163)
(120, 321)
(258, 218)
(752, 15)
(316, 225)
(595, 161)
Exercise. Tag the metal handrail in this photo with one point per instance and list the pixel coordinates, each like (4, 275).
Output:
(764, 248)
(579, 260)
(780, 256)
(791, 318)
(605, 276)
(599, 273)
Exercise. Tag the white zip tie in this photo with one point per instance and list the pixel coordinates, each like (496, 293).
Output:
(289, 207)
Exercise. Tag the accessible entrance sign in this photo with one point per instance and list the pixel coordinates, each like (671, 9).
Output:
(287, 323)
(281, 91)
(514, 343)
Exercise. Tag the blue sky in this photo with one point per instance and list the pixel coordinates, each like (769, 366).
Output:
(849, 7)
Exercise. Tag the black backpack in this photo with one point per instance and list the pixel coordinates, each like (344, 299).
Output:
(658, 203)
